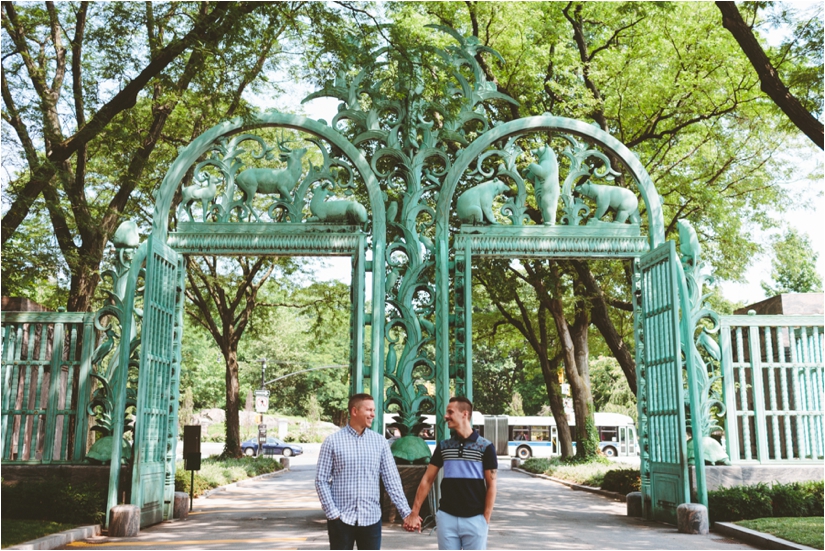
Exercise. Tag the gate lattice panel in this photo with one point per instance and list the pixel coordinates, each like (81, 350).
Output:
(157, 362)
(45, 371)
(666, 442)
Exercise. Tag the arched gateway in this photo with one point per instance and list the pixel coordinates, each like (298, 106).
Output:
(411, 181)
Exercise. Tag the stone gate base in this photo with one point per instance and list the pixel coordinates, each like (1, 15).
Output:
(411, 476)
(728, 476)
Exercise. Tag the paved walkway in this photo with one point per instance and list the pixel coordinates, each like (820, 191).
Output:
(283, 512)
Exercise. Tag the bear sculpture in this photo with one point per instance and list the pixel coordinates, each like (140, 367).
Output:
(545, 178)
(621, 200)
(475, 206)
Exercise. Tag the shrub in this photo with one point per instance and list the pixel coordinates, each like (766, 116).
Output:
(740, 503)
(219, 472)
(788, 500)
(622, 481)
(589, 472)
(55, 500)
(536, 465)
(815, 497)
(798, 499)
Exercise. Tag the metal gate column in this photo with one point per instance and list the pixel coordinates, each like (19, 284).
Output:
(660, 343)
(157, 360)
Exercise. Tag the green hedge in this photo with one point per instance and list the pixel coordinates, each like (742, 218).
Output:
(622, 481)
(55, 500)
(798, 499)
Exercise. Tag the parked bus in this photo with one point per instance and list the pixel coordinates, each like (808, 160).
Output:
(538, 436)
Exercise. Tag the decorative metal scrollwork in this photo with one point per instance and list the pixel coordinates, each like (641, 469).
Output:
(703, 349)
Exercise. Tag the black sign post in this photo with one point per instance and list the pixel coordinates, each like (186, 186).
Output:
(261, 438)
(192, 456)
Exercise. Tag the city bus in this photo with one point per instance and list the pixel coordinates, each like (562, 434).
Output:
(535, 436)
(538, 436)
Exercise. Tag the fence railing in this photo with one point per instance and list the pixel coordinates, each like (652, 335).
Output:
(46, 367)
(774, 379)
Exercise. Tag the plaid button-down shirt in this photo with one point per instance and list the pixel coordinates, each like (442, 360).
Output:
(346, 478)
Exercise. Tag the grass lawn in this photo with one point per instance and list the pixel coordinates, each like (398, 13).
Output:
(17, 531)
(805, 530)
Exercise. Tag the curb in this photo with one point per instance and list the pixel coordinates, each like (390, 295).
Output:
(746, 535)
(236, 484)
(752, 537)
(66, 537)
(61, 538)
(616, 496)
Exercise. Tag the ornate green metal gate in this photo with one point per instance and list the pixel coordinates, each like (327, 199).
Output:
(661, 400)
(157, 383)
(426, 195)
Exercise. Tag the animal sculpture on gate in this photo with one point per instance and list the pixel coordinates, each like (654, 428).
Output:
(621, 200)
(545, 178)
(338, 210)
(205, 194)
(268, 181)
(688, 243)
(475, 206)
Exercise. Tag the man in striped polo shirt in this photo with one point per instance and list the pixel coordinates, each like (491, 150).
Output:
(468, 489)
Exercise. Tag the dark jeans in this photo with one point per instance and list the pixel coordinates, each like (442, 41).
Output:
(343, 536)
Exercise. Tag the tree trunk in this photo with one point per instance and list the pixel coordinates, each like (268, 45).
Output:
(771, 84)
(579, 386)
(586, 437)
(551, 383)
(601, 319)
(83, 284)
(233, 401)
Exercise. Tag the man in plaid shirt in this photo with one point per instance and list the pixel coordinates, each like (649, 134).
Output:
(349, 464)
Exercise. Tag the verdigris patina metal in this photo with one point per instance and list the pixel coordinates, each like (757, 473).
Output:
(413, 170)
(545, 178)
(475, 206)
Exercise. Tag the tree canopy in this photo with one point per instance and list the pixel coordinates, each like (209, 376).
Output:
(98, 97)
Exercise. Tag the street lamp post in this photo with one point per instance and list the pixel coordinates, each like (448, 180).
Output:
(261, 418)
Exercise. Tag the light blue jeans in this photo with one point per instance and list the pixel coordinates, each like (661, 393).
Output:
(461, 532)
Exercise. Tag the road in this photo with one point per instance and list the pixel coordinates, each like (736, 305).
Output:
(283, 512)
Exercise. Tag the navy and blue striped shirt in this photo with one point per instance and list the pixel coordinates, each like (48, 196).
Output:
(464, 460)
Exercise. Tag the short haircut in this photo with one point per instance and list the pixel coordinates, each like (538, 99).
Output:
(356, 399)
(463, 404)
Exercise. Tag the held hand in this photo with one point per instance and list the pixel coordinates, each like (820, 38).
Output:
(412, 523)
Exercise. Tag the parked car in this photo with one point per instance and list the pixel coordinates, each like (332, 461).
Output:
(272, 446)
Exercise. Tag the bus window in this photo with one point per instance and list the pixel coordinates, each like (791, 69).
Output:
(623, 440)
(608, 434)
(521, 433)
(540, 433)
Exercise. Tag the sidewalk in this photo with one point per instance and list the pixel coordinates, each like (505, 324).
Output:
(283, 512)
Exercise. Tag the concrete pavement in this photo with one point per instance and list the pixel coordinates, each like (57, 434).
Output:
(283, 512)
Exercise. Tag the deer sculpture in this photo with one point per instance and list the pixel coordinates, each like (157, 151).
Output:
(336, 210)
(206, 194)
(267, 181)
